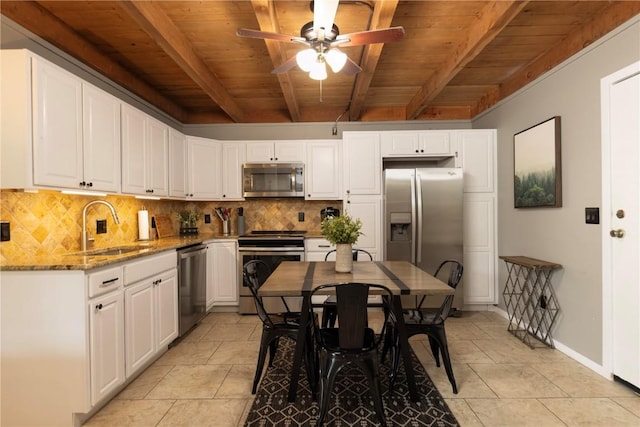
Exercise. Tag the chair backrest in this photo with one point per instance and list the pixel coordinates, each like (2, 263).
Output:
(352, 302)
(354, 252)
(254, 274)
(455, 270)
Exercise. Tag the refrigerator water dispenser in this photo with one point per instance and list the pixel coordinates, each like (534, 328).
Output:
(400, 226)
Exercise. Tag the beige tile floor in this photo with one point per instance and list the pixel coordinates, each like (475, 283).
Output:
(206, 380)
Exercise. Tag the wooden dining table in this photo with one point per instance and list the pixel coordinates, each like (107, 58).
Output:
(293, 278)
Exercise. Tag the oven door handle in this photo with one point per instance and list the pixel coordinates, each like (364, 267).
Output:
(254, 249)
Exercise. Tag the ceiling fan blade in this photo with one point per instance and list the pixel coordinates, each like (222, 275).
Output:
(351, 68)
(324, 12)
(256, 34)
(285, 66)
(383, 35)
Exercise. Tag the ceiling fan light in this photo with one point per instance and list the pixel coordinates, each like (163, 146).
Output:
(306, 59)
(319, 71)
(336, 59)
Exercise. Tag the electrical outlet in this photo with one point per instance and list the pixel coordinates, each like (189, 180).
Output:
(5, 231)
(300, 216)
(207, 218)
(101, 226)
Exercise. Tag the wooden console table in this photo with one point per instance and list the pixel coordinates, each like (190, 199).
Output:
(531, 302)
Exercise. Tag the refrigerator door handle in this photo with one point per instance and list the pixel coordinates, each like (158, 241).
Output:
(417, 241)
(413, 218)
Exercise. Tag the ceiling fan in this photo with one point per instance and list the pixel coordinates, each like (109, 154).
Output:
(323, 37)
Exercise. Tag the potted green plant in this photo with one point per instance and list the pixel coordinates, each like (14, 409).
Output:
(188, 222)
(342, 231)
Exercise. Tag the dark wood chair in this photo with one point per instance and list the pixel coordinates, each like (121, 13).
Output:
(274, 325)
(428, 321)
(352, 342)
(329, 313)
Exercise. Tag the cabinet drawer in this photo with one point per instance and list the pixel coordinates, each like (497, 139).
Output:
(318, 245)
(149, 266)
(105, 281)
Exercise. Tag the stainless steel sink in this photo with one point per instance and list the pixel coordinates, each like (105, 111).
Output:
(111, 251)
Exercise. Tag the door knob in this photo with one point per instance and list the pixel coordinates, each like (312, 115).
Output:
(617, 233)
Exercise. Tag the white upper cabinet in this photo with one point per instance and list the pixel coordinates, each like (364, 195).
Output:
(158, 157)
(204, 163)
(233, 154)
(145, 154)
(177, 164)
(476, 155)
(362, 163)
(281, 152)
(322, 174)
(57, 126)
(57, 131)
(416, 143)
(101, 136)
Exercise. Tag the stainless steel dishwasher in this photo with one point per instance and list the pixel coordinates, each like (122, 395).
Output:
(192, 286)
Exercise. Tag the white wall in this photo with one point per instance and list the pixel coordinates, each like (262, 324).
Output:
(572, 91)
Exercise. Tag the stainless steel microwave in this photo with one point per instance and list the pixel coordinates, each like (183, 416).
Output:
(273, 179)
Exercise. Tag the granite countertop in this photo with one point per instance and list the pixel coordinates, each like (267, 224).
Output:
(76, 261)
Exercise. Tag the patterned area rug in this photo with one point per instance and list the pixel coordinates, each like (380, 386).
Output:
(352, 404)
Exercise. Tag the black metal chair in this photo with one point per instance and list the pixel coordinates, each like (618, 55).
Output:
(428, 321)
(352, 342)
(274, 325)
(329, 313)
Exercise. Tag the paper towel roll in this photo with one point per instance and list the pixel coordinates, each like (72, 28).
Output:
(143, 225)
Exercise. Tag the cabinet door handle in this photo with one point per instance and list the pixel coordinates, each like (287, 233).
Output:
(98, 307)
(109, 282)
(89, 184)
(324, 246)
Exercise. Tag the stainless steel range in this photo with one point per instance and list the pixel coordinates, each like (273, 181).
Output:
(272, 247)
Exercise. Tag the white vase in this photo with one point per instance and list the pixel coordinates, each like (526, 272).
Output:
(344, 257)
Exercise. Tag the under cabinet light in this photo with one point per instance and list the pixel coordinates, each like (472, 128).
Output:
(147, 197)
(83, 193)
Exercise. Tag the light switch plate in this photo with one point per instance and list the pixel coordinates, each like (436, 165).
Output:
(592, 215)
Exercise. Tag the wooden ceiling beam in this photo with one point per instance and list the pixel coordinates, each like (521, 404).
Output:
(40, 21)
(493, 18)
(383, 12)
(268, 21)
(173, 41)
(612, 16)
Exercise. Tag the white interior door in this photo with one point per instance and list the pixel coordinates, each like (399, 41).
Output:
(621, 221)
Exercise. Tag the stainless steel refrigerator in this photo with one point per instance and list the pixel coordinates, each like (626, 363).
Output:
(423, 219)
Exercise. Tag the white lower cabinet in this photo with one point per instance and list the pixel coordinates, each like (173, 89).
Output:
(316, 248)
(106, 334)
(369, 210)
(151, 310)
(222, 281)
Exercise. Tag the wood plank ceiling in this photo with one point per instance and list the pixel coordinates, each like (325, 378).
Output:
(457, 59)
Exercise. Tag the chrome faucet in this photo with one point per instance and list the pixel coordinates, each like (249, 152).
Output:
(85, 235)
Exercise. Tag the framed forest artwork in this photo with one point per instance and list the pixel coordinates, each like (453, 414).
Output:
(537, 180)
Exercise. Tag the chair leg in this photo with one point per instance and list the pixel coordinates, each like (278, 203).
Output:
(392, 345)
(328, 373)
(441, 337)
(434, 350)
(273, 348)
(264, 343)
(370, 368)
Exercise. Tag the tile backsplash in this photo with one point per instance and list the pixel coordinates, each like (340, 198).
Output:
(49, 222)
